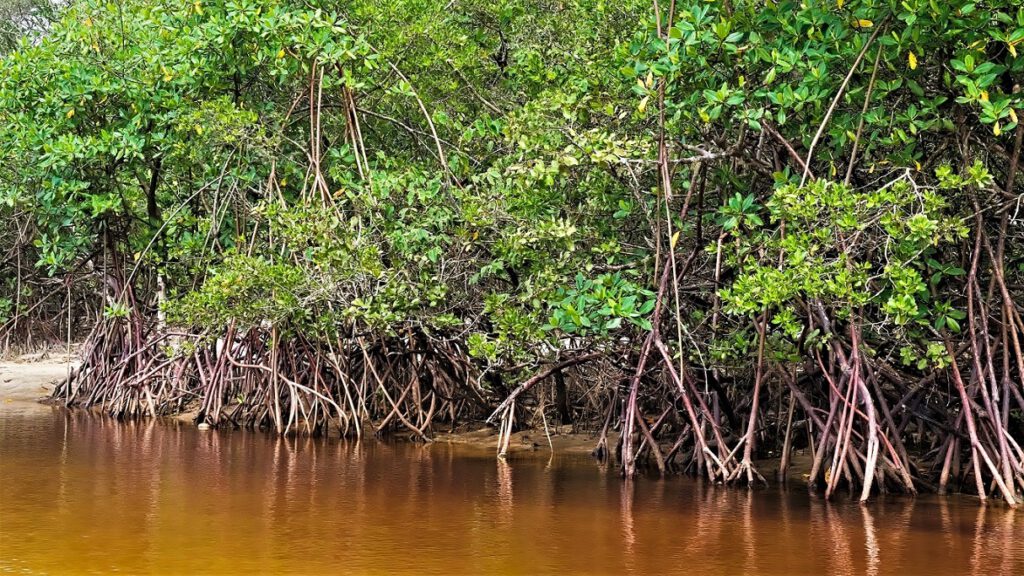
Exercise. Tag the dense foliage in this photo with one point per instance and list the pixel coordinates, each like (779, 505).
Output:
(694, 209)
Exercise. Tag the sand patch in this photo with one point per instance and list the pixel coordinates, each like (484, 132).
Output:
(31, 377)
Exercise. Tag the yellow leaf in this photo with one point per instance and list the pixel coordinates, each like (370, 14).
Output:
(918, 165)
(1012, 49)
(675, 238)
(984, 95)
(280, 53)
(1013, 115)
(839, 3)
(199, 129)
(864, 23)
(198, 7)
(912, 60)
(996, 129)
(284, 182)
(70, 113)
(643, 104)
(88, 22)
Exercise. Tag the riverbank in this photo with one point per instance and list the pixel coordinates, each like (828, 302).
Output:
(29, 379)
(32, 377)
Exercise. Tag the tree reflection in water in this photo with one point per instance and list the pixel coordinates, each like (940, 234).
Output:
(81, 492)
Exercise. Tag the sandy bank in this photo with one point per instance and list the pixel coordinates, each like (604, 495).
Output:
(31, 377)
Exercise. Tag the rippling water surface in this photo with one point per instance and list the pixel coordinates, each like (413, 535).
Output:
(84, 494)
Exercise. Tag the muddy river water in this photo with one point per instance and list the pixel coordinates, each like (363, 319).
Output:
(84, 494)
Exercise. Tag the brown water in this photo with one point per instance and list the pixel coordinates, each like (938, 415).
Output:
(83, 494)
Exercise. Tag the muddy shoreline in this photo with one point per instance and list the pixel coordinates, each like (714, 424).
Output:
(29, 379)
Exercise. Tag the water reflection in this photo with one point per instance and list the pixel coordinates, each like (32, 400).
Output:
(626, 511)
(81, 493)
(870, 541)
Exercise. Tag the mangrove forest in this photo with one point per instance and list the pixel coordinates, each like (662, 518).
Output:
(711, 237)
